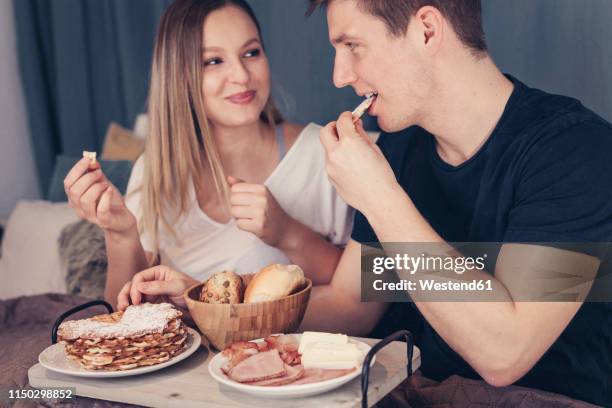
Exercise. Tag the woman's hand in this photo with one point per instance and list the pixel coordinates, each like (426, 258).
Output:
(256, 210)
(95, 199)
(159, 283)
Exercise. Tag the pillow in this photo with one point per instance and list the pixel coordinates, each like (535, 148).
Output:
(121, 144)
(83, 255)
(117, 172)
(30, 262)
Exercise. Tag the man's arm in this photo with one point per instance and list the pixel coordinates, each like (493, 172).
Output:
(337, 307)
(501, 340)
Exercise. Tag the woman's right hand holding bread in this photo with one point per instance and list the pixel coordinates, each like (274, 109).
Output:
(95, 199)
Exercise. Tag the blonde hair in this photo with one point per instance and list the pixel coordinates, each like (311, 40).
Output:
(180, 141)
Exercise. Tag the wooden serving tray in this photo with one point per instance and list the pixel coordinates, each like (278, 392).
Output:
(188, 384)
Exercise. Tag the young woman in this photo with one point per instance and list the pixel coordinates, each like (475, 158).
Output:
(224, 183)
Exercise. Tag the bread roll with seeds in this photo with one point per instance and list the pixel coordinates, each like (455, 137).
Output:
(223, 287)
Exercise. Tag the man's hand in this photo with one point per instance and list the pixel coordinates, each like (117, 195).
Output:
(155, 284)
(355, 165)
(257, 211)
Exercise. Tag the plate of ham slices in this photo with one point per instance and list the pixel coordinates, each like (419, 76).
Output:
(272, 367)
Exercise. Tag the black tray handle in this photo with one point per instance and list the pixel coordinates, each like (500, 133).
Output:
(365, 371)
(73, 311)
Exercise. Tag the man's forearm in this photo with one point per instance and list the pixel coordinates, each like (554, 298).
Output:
(495, 337)
(125, 257)
(500, 341)
(331, 310)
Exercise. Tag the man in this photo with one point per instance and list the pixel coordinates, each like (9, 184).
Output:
(468, 154)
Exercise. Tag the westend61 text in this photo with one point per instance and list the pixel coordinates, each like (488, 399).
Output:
(432, 285)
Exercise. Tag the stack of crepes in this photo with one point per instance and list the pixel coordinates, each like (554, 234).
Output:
(142, 335)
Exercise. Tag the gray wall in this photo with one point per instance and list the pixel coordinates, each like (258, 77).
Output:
(301, 60)
(17, 175)
(561, 46)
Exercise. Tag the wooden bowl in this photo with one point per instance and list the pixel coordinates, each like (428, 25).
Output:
(222, 324)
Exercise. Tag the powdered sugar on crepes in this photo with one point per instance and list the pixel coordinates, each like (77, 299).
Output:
(137, 320)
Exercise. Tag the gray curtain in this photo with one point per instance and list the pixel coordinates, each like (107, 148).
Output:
(84, 63)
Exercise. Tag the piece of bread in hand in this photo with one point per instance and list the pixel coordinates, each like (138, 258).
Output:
(93, 163)
(222, 287)
(274, 282)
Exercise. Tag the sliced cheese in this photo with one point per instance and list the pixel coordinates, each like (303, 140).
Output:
(320, 337)
(331, 355)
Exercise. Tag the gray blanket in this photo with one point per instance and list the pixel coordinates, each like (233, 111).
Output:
(25, 331)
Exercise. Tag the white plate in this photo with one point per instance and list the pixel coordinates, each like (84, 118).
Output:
(54, 358)
(284, 391)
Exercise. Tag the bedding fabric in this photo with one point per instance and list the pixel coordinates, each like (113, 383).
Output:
(25, 331)
(83, 254)
(30, 262)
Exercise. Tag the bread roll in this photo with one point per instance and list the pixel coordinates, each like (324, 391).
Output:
(274, 282)
(222, 287)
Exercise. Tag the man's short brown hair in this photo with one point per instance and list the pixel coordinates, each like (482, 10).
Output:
(465, 16)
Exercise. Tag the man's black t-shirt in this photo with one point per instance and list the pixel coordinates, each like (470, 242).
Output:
(544, 175)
